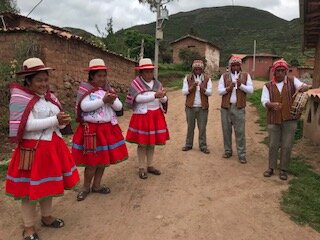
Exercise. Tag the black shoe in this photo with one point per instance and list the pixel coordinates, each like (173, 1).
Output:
(205, 150)
(227, 155)
(185, 148)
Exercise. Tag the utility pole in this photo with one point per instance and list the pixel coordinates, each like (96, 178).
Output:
(157, 40)
(162, 14)
(141, 49)
(254, 58)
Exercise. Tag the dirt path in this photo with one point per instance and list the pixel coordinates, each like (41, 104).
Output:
(198, 196)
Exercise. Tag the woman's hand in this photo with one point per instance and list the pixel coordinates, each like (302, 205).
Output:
(160, 94)
(109, 97)
(63, 118)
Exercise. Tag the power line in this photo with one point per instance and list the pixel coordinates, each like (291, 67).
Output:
(34, 7)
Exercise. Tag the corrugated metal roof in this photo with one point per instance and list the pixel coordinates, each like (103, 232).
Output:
(314, 92)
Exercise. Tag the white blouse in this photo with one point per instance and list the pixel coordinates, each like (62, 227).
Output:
(42, 120)
(147, 101)
(94, 110)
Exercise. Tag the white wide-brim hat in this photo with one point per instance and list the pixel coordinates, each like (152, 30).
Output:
(144, 64)
(96, 64)
(31, 66)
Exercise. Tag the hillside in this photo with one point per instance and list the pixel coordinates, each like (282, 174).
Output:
(233, 29)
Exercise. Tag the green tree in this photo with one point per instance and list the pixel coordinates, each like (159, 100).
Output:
(9, 6)
(108, 40)
(294, 62)
(133, 40)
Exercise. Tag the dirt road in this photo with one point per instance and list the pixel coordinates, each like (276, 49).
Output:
(198, 196)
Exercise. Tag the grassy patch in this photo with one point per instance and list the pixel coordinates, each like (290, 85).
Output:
(174, 84)
(3, 170)
(255, 99)
(262, 79)
(172, 75)
(302, 200)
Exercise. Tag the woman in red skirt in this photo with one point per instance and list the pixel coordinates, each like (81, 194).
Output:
(98, 140)
(41, 166)
(148, 126)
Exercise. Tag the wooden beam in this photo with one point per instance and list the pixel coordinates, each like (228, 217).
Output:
(312, 14)
(316, 73)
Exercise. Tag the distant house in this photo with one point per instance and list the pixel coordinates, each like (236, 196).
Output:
(263, 64)
(206, 49)
(69, 54)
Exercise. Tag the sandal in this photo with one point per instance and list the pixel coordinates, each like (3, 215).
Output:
(33, 236)
(283, 175)
(205, 150)
(153, 171)
(185, 148)
(227, 155)
(142, 173)
(103, 190)
(57, 223)
(82, 195)
(268, 173)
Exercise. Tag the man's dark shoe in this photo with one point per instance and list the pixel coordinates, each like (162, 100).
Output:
(268, 173)
(283, 175)
(185, 148)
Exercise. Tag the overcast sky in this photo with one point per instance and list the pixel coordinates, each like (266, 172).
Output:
(126, 13)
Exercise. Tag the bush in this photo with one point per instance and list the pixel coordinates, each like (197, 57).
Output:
(7, 76)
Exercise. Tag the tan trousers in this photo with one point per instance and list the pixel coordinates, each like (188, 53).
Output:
(199, 115)
(281, 136)
(145, 152)
(28, 210)
(234, 117)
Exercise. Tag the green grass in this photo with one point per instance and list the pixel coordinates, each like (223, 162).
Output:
(174, 84)
(255, 99)
(3, 170)
(302, 200)
(262, 79)
(172, 75)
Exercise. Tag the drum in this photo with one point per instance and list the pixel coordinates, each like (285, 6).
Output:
(298, 105)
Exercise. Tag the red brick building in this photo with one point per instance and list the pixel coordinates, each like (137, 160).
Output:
(60, 49)
(206, 49)
(263, 64)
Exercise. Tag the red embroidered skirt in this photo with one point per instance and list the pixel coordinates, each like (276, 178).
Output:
(53, 170)
(148, 129)
(110, 145)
